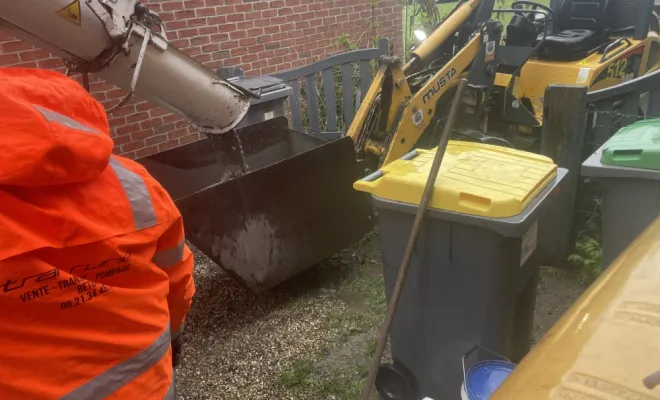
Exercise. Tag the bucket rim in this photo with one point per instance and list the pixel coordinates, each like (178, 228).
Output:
(472, 392)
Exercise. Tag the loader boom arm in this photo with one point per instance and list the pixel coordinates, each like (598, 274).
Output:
(424, 53)
(393, 116)
(408, 116)
(420, 109)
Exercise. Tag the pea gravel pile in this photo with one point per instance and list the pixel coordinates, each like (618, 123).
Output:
(236, 344)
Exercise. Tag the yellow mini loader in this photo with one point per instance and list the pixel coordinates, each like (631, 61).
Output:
(267, 202)
(595, 43)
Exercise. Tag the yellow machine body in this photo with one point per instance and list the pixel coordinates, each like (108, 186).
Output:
(606, 346)
(635, 58)
(410, 113)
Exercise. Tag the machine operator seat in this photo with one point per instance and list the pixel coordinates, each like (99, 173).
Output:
(582, 25)
(578, 27)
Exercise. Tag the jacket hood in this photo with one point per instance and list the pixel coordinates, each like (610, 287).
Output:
(52, 132)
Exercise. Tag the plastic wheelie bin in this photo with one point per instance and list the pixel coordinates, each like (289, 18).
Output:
(273, 93)
(628, 169)
(474, 272)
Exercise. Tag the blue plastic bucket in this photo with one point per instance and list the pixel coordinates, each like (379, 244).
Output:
(483, 378)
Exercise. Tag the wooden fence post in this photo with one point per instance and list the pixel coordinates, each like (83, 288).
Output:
(562, 140)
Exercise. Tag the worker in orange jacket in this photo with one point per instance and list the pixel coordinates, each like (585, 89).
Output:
(95, 276)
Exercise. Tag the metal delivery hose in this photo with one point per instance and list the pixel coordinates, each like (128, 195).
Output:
(412, 240)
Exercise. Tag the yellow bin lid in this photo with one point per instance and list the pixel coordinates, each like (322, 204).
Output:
(476, 179)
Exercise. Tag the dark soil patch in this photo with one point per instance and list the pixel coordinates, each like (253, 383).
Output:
(557, 290)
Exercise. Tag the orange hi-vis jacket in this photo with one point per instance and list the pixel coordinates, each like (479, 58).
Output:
(95, 276)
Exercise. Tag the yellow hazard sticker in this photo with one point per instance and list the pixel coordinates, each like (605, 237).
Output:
(71, 12)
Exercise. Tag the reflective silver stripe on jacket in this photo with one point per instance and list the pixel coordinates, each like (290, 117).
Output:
(53, 116)
(178, 333)
(138, 196)
(169, 257)
(116, 377)
(171, 393)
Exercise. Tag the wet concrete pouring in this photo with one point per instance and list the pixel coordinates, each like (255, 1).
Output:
(309, 338)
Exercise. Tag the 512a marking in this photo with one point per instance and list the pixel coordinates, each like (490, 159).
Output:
(617, 69)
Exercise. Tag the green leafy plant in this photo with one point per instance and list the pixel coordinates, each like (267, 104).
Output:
(321, 106)
(587, 255)
(345, 41)
(423, 15)
(370, 35)
(297, 375)
(587, 258)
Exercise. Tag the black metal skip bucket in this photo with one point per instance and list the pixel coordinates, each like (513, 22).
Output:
(266, 202)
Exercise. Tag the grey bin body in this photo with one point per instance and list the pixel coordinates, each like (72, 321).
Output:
(274, 93)
(465, 287)
(630, 202)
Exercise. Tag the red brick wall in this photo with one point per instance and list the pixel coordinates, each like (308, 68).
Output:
(259, 36)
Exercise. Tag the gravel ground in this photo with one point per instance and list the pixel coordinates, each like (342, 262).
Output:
(237, 344)
(311, 338)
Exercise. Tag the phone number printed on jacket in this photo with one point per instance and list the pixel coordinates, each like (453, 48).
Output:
(87, 291)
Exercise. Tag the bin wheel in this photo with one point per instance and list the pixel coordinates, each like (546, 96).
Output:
(395, 382)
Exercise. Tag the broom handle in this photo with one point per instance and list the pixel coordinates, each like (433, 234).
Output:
(412, 240)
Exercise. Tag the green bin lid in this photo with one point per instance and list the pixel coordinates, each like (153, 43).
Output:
(634, 146)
